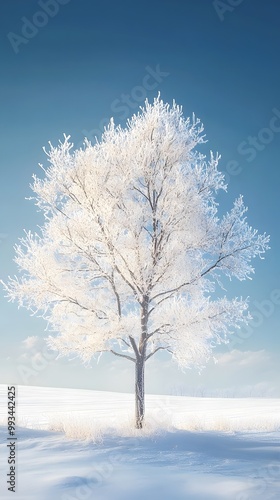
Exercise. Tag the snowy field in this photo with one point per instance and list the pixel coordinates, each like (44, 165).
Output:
(78, 445)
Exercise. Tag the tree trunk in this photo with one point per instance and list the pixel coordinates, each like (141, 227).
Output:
(140, 367)
(139, 392)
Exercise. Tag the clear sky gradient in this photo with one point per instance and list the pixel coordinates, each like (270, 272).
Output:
(66, 67)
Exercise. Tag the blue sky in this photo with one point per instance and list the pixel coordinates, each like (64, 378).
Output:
(88, 61)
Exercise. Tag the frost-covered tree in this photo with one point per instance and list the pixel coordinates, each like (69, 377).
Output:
(132, 247)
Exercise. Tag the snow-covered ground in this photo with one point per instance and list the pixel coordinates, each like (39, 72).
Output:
(78, 445)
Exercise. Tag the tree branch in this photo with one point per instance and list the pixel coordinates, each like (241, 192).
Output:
(122, 355)
(214, 266)
(153, 352)
(157, 330)
(134, 346)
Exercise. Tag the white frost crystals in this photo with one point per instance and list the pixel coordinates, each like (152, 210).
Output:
(132, 247)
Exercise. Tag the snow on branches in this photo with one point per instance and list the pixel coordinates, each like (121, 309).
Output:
(132, 247)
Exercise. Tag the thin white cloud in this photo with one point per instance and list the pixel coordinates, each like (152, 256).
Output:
(243, 358)
(30, 342)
